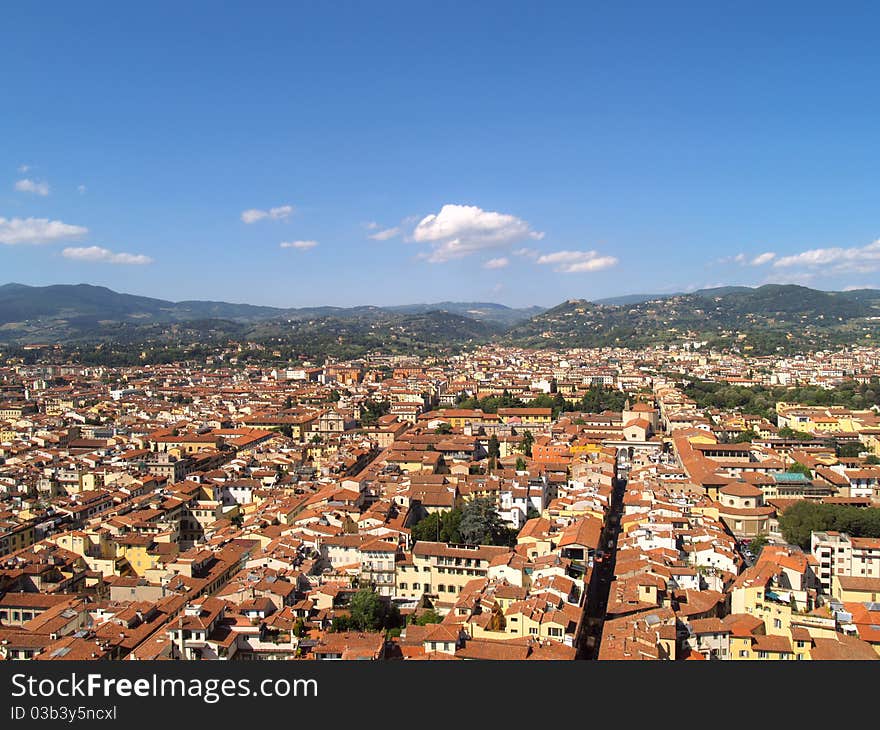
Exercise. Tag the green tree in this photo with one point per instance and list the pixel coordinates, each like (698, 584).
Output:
(443, 428)
(526, 444)
(850, 449)
(521, 464)
(758, 543)
(789, 433)
(427, 617)
(798, 468)
(372, 411)
(804, 517)
(748, 435)
(438, 526)
(494, 447)
(481, 525)
(367, 611)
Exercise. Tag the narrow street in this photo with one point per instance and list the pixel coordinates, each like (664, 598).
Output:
(600, 579)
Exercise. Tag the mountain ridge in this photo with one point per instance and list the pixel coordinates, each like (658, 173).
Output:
(763, 319)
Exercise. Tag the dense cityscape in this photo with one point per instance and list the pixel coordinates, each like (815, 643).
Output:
(674, 502)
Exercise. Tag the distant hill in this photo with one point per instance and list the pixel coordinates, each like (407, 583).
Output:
(481, 311)
(83, 302)
(764, 319)
(82, 312)
(631, 299)
(760, 319)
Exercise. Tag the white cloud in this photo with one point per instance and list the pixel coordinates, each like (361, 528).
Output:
(81, 189)
(836, 260)
(252, 215)
(32, 186)
(498, 263)
(530, 253)
(37, 230)
(575, 262)
(371, 225)
(105, 256)
(301, 245)
(24, 168)
(763, 258)
(386, 234)
(461, 230)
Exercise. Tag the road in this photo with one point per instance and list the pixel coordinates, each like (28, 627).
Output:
(600, 579)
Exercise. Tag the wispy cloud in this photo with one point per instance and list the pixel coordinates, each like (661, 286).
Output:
(530, 253)
(763, 258)
(462, 230)
(300, 245)
(252, 215)
(37, 230)
(836, 260)
(744, 260)
(575, 262)
(384, 235)
(81, 189)
(96, 254)
(23, 168)
(26, 185)
(498, 263)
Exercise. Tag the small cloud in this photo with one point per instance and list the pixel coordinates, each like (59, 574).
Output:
(37, 230)
(97, 254)
(498, 263)
(371, 225)
(576, 262)
(32, 186)
(462, 230)
(300, 245)
(764, 258)
(497, 288)
(81, 189)
(23, 168)
(252, 215)
(386, 234)
(529, 253)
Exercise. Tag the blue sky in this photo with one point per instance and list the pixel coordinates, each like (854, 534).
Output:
(522, 153)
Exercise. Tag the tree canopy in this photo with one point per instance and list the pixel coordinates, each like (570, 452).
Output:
(804, 517)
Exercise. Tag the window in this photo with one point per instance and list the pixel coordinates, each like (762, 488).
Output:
(763, 654)
(743, 653)
(777, 623)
